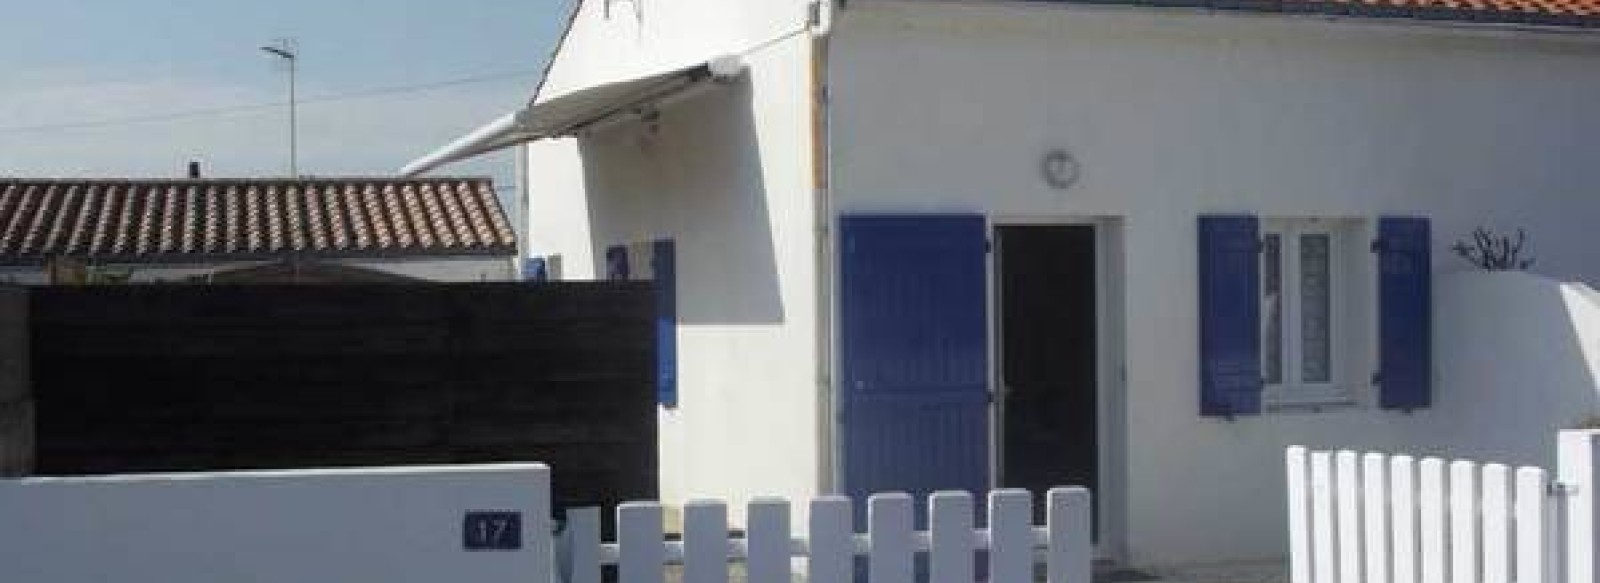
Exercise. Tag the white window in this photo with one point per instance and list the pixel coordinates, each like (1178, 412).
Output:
(1301, 299)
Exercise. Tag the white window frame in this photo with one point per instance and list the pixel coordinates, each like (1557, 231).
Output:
(1293, 392)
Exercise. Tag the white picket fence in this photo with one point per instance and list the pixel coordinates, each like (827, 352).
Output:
(1377, 518)
(769, 546)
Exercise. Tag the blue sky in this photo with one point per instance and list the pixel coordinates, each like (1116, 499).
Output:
(75, 61)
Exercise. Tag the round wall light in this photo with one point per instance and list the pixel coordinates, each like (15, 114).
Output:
(1059, 169)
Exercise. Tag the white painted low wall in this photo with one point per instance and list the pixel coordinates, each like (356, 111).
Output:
(1518, 360)
(359, 526)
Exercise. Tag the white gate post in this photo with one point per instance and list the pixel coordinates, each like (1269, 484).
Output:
(1578, 472)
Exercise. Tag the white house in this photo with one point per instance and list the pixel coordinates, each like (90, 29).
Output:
(1136, 245)
(253, 230)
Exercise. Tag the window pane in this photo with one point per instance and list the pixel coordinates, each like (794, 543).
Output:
(1316, 309)
(1272, 309)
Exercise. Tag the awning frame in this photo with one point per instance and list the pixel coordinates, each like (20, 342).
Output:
(544, 120)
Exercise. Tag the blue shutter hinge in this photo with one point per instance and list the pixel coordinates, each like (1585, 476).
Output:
(1377, 245)
(988, 245)
(1377, 379)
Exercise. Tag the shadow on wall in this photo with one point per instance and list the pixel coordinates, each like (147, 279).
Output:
(694, 174)
(1518, 358)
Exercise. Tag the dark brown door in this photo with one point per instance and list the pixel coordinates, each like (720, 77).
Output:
(1048, 356)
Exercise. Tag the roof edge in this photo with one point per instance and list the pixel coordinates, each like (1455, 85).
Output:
(1438, 16)
(13, 261)
(243, 180)
(555, 51)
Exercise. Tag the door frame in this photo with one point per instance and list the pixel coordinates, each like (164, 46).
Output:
(1110, 367)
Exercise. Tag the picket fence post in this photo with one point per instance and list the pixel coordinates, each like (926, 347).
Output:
(832, 541)
(1578, 475)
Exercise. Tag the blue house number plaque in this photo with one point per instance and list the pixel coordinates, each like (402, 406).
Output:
(491, 531)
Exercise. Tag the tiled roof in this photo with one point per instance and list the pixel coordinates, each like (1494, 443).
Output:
(146, 221)
(1567, 13)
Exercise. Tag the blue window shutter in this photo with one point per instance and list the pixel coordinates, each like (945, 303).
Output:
(1405, 320)
(617, 262)
(1230, 315)
(664, 264)
(534, 269)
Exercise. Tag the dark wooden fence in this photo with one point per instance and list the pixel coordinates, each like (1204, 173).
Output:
(16, 404)
(170, 378)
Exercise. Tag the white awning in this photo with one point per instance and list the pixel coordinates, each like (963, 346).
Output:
(566, 114)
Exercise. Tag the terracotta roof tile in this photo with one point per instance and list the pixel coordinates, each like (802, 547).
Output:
(194, 226)
(1561, 13)
(295, 229)
(83, 229)
(67, 204)
(192, 220)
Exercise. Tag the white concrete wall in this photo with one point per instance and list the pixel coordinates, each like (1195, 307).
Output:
(558, 207)
(23, 276)
(727, 175)
(949, 106)
(448, 270)
(392, 525)
(619, 39)
(1524, 362)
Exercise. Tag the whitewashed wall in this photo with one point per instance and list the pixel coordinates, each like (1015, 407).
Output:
(949, 106)
(727, 175)
(392, 525)
(1524, 362)
(610, 40)
(448, 270)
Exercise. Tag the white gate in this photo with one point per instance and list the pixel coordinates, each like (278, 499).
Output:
(829, 545)
(1379, 518)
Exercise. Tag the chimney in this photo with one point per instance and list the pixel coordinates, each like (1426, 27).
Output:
(194, 169)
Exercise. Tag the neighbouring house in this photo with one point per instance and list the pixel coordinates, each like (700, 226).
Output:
(253, 230)
(1141, 246)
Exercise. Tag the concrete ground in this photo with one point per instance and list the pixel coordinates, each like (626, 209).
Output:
(1258, 572)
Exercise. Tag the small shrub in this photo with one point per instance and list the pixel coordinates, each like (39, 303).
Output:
(1491, 251)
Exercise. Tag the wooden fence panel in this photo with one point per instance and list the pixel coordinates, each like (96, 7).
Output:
(705, 541)
(1496, 524)
(1532, 510)
(1349, 509)
(889, 524)
(832, 544)
(16, 400)
(179, 377)
(1434, 522)
(1375, 524)
(1071, 525)
(639, 549)
(1010, 516)
(768, 554)
(1403, 518)
(1463, 501)
(950, 537)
